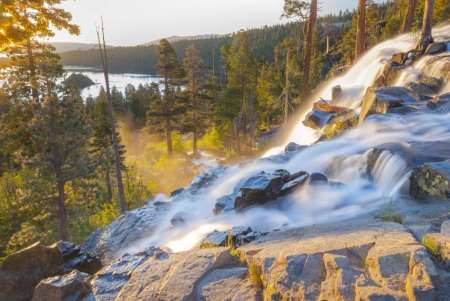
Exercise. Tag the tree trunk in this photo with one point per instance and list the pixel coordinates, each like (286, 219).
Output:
(287, 88)
(308, 44)
(426, 38)
(62, 214)
(194, 116)
(32, 67)
(168, 125)
(108, 181)
(361, 31)
(409, 18)
(114, 135)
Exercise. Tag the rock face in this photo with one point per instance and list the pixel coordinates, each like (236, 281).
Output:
(108, 282)
(381, 262)
(360, 261)
(22, 271)
(380, 101)
(130, 227)
(75, 259)
(209, 274)
(426, 85)
(431, 180)
(73, 287)
(435, 48)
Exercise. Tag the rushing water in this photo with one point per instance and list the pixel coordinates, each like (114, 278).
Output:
(343, 159)
(120, 81)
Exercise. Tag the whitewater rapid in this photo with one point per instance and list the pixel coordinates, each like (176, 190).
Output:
(343, 159)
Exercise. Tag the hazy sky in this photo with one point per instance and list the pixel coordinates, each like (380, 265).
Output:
(131, 22)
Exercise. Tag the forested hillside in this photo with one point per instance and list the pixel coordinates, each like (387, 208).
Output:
(143, 58)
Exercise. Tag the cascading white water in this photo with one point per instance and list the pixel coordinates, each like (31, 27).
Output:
(343, 159)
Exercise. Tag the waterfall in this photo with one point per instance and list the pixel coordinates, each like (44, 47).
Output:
(343, 159)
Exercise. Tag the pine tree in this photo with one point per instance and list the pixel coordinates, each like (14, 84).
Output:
(197, 84)
(241, 73)
(361, 30)
(409, 17)
(170, 70)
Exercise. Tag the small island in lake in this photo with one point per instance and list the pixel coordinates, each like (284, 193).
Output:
(79, 81)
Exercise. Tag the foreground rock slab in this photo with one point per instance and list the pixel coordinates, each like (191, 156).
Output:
(73, 286)
(23, 270)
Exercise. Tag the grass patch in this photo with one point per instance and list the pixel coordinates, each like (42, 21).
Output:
(389, 215)
(432, 245)
(255, 273)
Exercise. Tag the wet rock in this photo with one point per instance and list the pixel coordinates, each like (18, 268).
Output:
(426, 86)
(440, 103)
(70, 287)
(224, 204)
(214, 240)
(431, 180)
(380, 101)
(435, 48)
(108, 282)
(77, 259)
(318, 178)
(236, 236)
(324, 114)
(293, 147)
(336, 93)
(177, 192)
(22, 271)
(439, 246)
(261, 189)
(297, 180)
(128, 228)
(180, 218)
(387, 75)
(318, 120)
(445, 228)
(206, 179)
(399, 58)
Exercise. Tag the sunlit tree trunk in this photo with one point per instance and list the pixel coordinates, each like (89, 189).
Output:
(409, 17)
(361, 32)
(287, 88)
(114, 135)
(426, 38)
(308, 44)
(62, 213)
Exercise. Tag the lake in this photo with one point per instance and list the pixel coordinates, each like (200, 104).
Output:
(120, 81)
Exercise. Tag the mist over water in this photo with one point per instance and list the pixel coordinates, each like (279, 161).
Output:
(343, 160)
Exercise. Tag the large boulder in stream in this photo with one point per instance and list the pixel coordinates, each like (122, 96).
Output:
(381, 101)
(431, 180)
(20, 272)
(324, 114)
(261, 189)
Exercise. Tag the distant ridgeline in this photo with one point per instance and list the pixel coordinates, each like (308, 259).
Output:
(143, 59)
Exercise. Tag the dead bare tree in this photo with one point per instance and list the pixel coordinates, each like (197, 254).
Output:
(114, 135)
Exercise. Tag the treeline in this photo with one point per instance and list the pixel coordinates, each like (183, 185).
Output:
(143, 59)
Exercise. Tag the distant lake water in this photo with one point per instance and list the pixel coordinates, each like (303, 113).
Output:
(120, 81)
